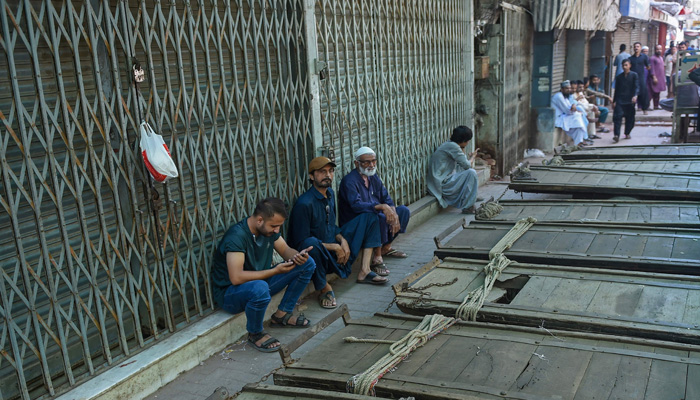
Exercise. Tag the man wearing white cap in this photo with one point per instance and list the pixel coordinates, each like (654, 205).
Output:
(568, 118)
(361, 191)
(312, 224)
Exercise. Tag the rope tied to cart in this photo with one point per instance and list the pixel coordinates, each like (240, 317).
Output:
(475, 299)
(429, 327)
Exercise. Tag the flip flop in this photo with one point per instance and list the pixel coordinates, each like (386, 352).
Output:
(369, 279)
(252, 338)
(395, 253)
(380, 269)
(329, 295)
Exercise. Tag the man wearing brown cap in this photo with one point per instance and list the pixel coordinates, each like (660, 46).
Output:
(312, 223)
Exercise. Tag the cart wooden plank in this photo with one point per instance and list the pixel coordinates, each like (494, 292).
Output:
(683, 166)
(482, 360)
(645, 305)
(271, 392)
(599, 183)
(635, 152)
(653, 249)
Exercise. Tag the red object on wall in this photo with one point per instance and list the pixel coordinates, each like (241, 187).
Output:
(662, 36)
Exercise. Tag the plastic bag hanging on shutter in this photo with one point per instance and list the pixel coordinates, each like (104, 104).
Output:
(156, 155)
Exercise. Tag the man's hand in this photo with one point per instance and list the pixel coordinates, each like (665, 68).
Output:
(613, 105)
(284, 267)
(301, 257)
(472, 156)
(344, 252)
(634, 99)
(391, 216)
(655, 80)
(573, 107)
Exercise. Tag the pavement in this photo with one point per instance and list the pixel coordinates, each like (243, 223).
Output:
(240, 364)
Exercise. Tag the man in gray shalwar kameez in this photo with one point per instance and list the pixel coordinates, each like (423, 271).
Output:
(450, 176)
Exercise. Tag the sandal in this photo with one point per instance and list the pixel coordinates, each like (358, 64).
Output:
(328, 296)
(380, 269)
(395, 253)
(264, 346)
(369, 279)
(301, 321)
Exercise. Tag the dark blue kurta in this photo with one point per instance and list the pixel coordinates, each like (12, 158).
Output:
(354, 198)
(312, 223)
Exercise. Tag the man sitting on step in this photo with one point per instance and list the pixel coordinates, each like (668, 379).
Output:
(243, 278)
(312, 223)
(567, 116)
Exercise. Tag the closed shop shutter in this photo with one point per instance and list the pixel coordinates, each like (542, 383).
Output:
(92, 270)
(558, 60)
(517, 72)
(398, 82)
(586, 54)
(623, 35)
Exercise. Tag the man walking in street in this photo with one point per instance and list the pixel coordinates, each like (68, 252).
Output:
(656, 82)
(627, 88)
(639, 64)
(312, 223)
(244, 279)
(568, 117)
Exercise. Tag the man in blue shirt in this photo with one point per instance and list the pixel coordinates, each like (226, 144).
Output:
(243, 278)
(361, 191)
(312, 223)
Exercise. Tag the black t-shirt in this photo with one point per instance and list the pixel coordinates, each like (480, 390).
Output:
(239, 239)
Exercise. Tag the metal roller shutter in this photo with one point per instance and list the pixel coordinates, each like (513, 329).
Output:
(92, 269)
(587, 54)
(516, 87)
(558, 60)
(399, 81)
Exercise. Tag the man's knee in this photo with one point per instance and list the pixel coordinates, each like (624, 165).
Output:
(308, 267)
(403, 211)
(258, 292)
(313, 242)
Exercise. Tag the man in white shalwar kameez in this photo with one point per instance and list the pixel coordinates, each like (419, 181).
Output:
(568, 118)
(451, 178)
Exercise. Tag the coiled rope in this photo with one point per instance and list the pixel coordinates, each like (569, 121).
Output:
(556, 161)
(430, 326)
(474, 300)
(488, 210)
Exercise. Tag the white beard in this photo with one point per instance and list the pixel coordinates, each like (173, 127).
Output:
(368, 172)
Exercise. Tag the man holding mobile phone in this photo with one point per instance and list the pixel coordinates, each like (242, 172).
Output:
(244, 279)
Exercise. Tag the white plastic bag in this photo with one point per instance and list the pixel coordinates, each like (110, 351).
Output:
(156, 155)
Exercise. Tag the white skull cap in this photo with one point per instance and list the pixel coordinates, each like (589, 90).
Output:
(362, 151)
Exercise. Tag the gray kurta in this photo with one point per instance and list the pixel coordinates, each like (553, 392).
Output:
(450, 177)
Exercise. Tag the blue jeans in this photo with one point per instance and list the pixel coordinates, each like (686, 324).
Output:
(361, 232)
(253, 297)
(603, 114)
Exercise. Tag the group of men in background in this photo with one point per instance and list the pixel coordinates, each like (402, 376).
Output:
(639, 81)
